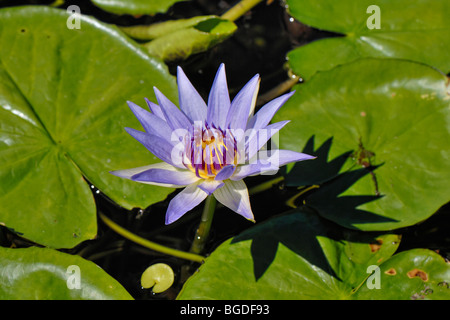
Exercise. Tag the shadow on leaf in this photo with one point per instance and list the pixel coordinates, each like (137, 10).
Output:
(305, 173)
(317, 243)
(298, 232)
(345, 209)
(325, 201)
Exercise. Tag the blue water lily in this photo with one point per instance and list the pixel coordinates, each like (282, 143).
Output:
(209, 148)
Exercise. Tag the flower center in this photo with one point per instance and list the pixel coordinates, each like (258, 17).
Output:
(208, 149)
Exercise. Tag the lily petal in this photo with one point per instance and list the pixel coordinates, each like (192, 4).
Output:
(160, 147)
(155, 109)
(277, 159)
(191, 103)
(283, 157)
(186, 200)
(151, 123)
(225, 172)
(234, 195)
(209, 186)
(243, 104)
(266, 113)
(258, 138)
(129, 173)
(173, 176)
(219, 100)
(175, 117)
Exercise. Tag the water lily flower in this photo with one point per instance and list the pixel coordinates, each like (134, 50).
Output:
(208, 148)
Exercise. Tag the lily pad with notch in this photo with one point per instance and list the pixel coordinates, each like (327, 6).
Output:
(63, 96)
(404, 29)
(301, 256)
(395, 116)
(135, 7)
(47, 274)
(293, 256)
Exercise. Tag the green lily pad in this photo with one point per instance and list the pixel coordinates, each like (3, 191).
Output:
(414, 30)
(46, 274)
(135, 7)
(296, 256)
(302, 256)
(63, 96)
(387, 122)
(160, 29)
(417, 274)
(158, 276)
(188, 39)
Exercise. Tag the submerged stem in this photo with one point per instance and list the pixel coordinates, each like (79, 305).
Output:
(149, 244)
(278, 90)
(291, 202)
(202, 233)
(239, 9)
(265, 185)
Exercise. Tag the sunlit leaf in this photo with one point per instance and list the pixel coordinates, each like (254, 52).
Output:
(135, 7)
(391, 121)
(415, 30)
(296, 256)
(184, 42)
(46, 274)
(63, 96)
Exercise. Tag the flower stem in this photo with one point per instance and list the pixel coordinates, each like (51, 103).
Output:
(202, 233)
(239, 9)
(149, 244)
(278, 90)
(291, 202)
(265, 185)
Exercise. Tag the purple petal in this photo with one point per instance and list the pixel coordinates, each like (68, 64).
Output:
(164, 176)
(219, 100)
(151, 123)
(225, 172)
(175, 117)
(128, 173)
(191, 103)
(158, 170)
(242, 104)
(253, 169)
(283, 157)
(209, 186)
(276, 159)
(259, 137)
(161, 148)
(186, 200)
(155, 109)
(234, 195)
(266, 113)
